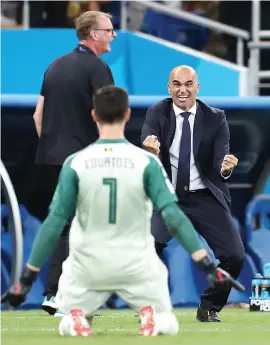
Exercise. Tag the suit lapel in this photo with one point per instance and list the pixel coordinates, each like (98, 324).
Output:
(197, 131)
(170, 128)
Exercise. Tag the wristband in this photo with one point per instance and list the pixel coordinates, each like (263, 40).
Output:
(28, 276)
(206, 264)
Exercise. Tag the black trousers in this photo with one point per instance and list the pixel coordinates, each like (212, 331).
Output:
(215, 224)
(57, 258)
(44, 185)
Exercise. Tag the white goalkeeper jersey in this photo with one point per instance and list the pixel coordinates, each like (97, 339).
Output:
(110, 188)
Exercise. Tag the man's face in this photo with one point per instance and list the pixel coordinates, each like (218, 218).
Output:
(183, 87)
(104, 34)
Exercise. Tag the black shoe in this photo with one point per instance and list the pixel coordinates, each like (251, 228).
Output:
(49, 305)
(204, 315)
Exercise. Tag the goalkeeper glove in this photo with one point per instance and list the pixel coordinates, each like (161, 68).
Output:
(16, 295)
(216, 276)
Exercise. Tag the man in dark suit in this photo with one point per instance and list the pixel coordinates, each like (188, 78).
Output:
(192, 141)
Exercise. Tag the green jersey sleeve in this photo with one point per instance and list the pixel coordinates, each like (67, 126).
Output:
(157, 184)
(62, 209)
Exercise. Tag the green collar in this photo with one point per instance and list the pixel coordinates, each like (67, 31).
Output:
(111, 141)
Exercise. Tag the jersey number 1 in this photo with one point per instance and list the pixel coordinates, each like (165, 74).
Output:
(112, 183)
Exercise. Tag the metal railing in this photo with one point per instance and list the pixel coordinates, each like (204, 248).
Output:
(256, 74)
(208, 23)
(26, 14)
(15, 225)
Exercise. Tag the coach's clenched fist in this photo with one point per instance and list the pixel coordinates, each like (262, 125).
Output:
(151, 144)
(229, 162)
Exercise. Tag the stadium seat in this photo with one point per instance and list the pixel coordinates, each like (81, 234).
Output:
(6, 249)
(247, 274)
(181, 281)
(258, 214)
(114, 8)
(30, 226)
(6, 256)
(175, 30)
(260, 243)
(151, 22)
(5, 282)
(257, 230)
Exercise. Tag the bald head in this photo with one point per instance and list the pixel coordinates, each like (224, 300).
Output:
(183, 70)
(183, 86)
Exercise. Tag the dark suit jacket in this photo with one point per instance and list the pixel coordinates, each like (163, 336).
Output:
(210, 142)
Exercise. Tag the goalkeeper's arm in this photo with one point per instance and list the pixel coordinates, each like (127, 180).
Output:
(181, 228)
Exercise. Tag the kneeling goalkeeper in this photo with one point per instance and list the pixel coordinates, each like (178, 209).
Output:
(111, 187)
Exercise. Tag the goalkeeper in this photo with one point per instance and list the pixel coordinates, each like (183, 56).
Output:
(110, 187)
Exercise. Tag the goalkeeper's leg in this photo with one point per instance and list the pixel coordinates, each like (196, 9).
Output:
(153, 323)
(79, 311)
(77, 301)
(149, 295)
(74, 324)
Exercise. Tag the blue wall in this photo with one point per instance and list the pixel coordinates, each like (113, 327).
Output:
(26, 54)
(151, 63)
(140, 65)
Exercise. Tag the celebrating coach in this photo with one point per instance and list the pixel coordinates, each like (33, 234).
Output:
(192, 141)
(63, 118)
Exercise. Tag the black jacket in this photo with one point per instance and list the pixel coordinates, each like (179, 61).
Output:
(210, 142)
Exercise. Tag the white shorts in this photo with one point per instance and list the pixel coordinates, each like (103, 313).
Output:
(146, 284)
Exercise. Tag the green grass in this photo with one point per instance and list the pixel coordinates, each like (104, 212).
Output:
(239, 327)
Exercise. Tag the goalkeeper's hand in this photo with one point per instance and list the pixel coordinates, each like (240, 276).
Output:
(17, 293)
(216, 276)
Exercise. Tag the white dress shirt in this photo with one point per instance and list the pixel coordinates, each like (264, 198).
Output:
(195, 179)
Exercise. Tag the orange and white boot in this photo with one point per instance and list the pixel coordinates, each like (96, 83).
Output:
(74, 324)
(148, 324)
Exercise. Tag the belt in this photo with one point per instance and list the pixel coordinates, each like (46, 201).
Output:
(200, 191)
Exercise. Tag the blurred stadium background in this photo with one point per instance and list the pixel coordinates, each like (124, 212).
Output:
(225, 41)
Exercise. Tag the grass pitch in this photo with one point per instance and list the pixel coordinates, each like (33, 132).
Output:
(120, 327)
